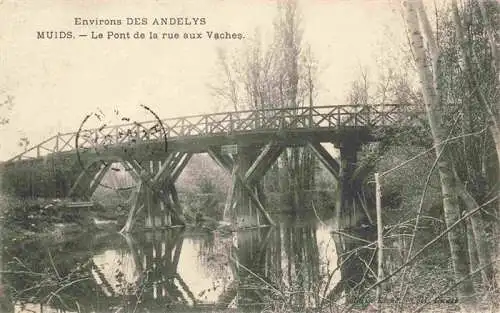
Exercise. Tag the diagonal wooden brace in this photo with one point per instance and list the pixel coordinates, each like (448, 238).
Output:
(224, 161)
(261, 165)
(167, 167)
(98, 178)
(255, 199)
(267, 157)
(328, 161)
(84, 181)
(176, 172)
(149, 181)
(134, 210)
(129, 169)
(231, 194)
(172, 168)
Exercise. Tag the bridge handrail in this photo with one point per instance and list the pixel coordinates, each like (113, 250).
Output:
(231, 121)
(32, 148)
(340, 106)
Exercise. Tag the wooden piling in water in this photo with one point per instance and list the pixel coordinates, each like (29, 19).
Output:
(380, 243)
(348, 187)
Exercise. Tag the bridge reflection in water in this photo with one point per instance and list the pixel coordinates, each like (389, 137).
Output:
(295, 266)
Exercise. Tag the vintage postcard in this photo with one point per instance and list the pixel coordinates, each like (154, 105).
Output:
(249, 156)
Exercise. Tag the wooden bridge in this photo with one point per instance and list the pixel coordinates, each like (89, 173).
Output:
(245, 143)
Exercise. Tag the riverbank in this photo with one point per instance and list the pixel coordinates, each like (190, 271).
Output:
(56, 219)
(43, 218)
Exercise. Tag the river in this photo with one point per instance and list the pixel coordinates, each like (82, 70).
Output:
(296, 265)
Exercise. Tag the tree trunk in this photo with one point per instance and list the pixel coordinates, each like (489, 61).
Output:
(430, 90)
(473, 257)
(479, 236)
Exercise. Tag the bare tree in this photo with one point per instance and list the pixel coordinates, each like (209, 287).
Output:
(281, 74)
(6, 105)
(229, 89)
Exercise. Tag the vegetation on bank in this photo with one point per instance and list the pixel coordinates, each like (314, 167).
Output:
(27, 218)
(48, 177)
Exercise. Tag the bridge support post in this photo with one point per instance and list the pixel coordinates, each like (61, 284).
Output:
(246, 213)
(348, 187)
(247, 169)
(158, 194)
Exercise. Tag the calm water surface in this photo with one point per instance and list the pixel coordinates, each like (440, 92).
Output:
(294, 264)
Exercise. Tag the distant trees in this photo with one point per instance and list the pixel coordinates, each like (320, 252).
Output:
(202, 175)
(6, 104)
(204, 186)
(281, 74)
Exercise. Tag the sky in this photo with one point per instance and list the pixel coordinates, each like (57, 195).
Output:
(55, 83)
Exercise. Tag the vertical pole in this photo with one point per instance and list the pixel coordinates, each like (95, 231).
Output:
(310, 116)
(56, 148)
(231, 127)
(137, 133)
(147, 203)
(380, 244)
(152, 206)
(348, 187)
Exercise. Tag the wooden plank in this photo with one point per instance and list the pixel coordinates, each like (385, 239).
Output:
(129, 169)
(229, 149)
(165, 167)
(77, 205)
(177, 204)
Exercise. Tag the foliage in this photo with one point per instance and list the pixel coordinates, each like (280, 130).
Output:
(49, 177)
(204, 185)
(465, 86)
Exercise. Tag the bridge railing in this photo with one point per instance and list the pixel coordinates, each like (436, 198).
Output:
(339, 116)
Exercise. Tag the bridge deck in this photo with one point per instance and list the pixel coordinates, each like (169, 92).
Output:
(196, 133)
